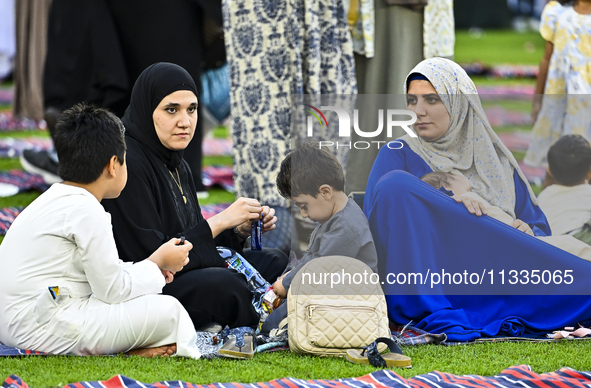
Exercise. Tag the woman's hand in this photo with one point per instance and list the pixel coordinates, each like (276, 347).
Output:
(241, 211)
(520, 225)
(269, 221)
(473, 206)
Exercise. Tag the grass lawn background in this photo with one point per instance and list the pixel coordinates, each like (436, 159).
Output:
(491, 47)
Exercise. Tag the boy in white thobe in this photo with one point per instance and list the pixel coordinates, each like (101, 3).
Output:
(63, 289)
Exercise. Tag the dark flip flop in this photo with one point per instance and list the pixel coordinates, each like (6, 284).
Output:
(370, 355)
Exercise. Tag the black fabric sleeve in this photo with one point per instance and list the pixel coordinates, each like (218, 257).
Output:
(229, 239)
(204, 253)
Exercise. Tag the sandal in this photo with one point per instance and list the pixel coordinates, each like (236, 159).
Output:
(238, 345)
(374, 358)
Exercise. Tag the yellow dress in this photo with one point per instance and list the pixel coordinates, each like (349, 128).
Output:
(566, 107)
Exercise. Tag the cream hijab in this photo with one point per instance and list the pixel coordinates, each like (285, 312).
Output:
(470, 145)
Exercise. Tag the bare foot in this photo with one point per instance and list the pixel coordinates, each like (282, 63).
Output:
(161, 351)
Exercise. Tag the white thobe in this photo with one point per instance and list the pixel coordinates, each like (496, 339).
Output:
(567, 208)
(64, 239)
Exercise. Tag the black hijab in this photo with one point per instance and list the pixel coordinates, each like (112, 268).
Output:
(155, 83)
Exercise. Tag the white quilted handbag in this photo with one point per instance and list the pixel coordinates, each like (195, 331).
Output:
(328, 318)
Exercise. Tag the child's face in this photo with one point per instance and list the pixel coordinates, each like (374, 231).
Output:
(459, 184)
(317, 209)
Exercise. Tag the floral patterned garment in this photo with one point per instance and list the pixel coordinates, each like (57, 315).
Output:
(438, 29)
(275, 49)
(567, 96)
(362, 26)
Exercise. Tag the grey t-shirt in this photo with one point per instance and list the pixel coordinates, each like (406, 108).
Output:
(345, 234)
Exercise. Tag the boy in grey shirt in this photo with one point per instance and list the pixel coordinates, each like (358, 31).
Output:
(313, 179)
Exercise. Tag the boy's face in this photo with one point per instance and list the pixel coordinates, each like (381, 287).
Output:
(317, 209)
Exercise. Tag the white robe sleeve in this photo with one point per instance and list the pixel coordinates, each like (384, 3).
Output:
(111, 280)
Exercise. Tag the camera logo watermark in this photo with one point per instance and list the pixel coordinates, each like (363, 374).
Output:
(345, 125)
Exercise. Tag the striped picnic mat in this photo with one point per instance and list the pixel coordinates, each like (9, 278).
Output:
(516, 376)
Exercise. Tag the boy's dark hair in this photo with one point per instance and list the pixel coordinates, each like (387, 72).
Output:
(307, 168)
(569, 159)
(437, 179)
(86, 138)
(567, 2)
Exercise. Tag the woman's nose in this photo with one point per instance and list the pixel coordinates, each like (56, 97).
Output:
(420, 108)
(184, 121)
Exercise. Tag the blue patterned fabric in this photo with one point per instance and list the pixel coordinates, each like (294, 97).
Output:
(276, 49)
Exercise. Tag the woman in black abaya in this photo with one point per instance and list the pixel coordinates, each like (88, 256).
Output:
(160, 201)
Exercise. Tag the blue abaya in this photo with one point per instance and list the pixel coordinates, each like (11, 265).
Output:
(418, 229)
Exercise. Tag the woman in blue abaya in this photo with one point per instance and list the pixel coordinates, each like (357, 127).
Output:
(420, 230)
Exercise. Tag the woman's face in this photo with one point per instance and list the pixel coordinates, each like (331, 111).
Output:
(175, 119)
(432, 116)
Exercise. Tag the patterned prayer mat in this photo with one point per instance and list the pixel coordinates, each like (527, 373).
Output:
(9, 123)
(217, 147)
(23, 180)
(519, 376)
(498, 117)
(516, 141)
(501, 71)
(211, 210)
(12, 148)
(515, 91)
(6, 95)
(7, 216)
(219, 176)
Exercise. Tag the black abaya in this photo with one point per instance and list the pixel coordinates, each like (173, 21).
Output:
(151, 210)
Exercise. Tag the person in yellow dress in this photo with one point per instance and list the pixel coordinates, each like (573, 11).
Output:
(563, 91)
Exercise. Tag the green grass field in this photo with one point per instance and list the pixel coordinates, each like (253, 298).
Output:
(492, 47)
(499, 47)
(482, 359)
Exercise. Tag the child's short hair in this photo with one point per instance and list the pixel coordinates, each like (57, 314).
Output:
(307, 168)
(86, 138)
(437, 179)
(569, 159)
